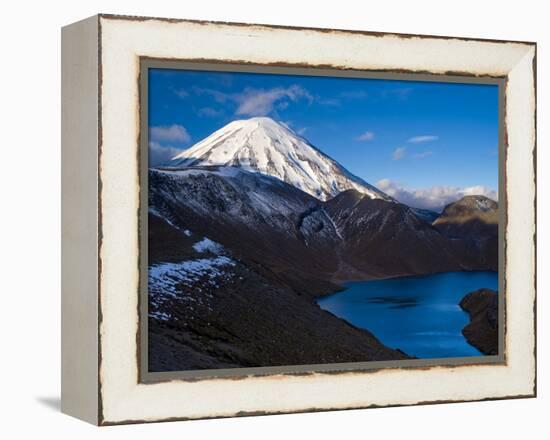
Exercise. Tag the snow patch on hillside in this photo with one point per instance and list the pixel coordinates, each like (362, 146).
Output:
(207, 245)
(485, 204)
(165, 277)
(189, 282)
(156, 212)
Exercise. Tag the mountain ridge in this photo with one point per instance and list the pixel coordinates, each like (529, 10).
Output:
(350, 236)
(249, 226)
(237, 258)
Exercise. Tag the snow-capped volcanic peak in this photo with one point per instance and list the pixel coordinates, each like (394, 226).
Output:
(268, 147)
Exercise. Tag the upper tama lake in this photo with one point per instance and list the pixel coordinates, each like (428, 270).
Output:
(419, 315)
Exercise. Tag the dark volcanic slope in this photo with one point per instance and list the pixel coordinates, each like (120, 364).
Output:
(471, 215)
(262, 220)
(482, 331)
(236, 259)
(214, 311)
(383, 239)
(304, 242)
(472, 222)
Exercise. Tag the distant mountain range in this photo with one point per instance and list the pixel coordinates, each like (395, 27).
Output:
(247, 227)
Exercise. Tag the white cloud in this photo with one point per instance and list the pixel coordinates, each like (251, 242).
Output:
(209, 112)
(366, 136)
(219, 97)
(160, 154)
(435, 198)
(261, 102)
(181, 93)
(258, 102)
(398, 153)
(423, 138)
(169, 133)
(291, 126)
(423, 154)
(331, 102)
(480, 190)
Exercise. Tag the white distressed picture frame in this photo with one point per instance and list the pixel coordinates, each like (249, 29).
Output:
(101, 196)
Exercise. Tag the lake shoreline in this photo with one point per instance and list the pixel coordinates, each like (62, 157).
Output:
(392, 277)
(399, 302)
(482, 330)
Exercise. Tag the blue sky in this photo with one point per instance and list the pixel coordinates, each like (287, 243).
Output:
(427, 141)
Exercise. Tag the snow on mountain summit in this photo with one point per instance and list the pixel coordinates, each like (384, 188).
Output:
(263, 145)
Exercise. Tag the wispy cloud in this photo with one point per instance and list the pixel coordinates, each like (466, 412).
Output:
(160, 154)
(423, 138)
(169, 133)
(261, 102)
(219, 97)
(423, 154)
(330, 102)
(258, 102)
(366, 136)
(435, 198)
(180, 93)
(398, 153)
(298, 130)
(209, 112)
(354, 94)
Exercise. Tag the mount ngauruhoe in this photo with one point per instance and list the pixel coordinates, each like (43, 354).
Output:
(265, 146)
(248, 226)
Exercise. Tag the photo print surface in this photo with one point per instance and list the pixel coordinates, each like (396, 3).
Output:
(312, 220)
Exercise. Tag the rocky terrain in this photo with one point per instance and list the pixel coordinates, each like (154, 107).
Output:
(482, 331)
(249, 226)
(469, 216)
(236, 259)
(473, 222)
(381, 239)
(210, 309)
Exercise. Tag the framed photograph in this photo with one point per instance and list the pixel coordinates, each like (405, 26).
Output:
(262, 219)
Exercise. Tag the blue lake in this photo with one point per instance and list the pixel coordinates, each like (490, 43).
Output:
(419, 315)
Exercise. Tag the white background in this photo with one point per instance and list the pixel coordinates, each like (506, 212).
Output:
(30, 217)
